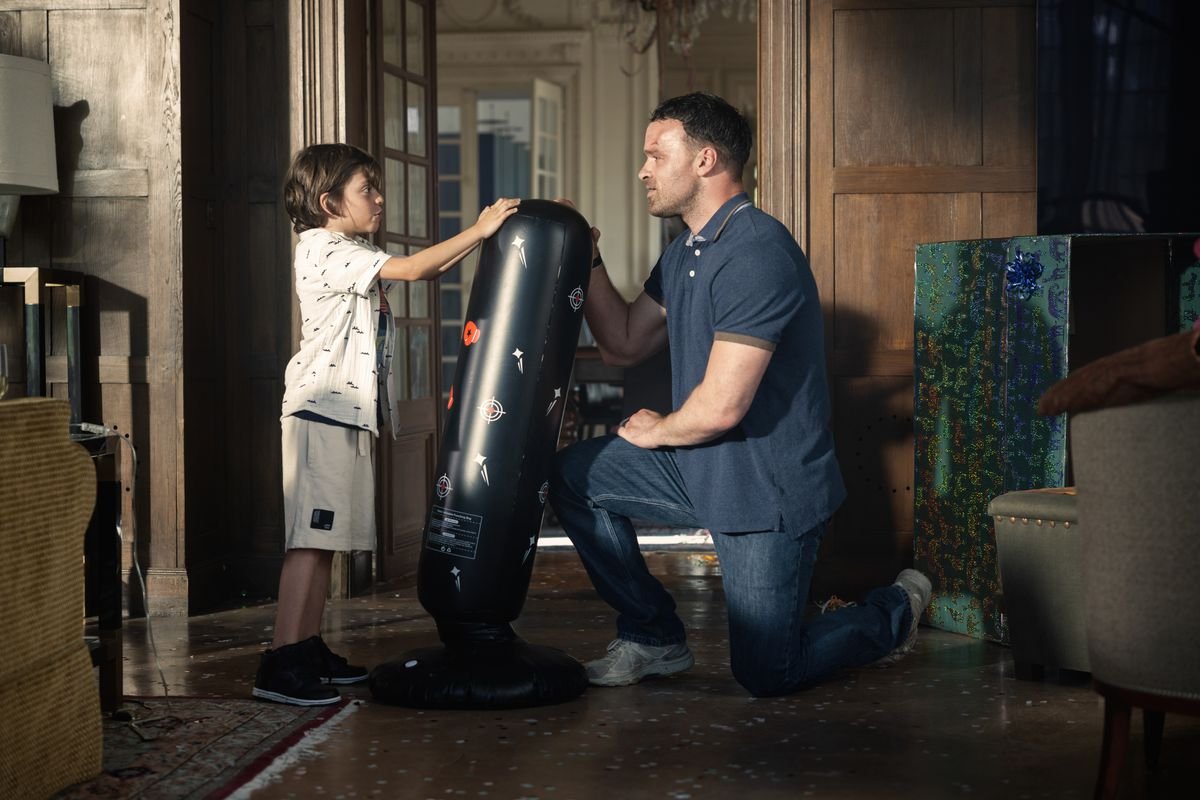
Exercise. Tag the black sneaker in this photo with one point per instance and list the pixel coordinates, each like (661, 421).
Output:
(332, 668)
(289, 675)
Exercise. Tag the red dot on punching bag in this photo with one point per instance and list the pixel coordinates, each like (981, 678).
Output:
(470, 333)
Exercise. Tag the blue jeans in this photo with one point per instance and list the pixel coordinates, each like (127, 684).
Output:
(601, 483)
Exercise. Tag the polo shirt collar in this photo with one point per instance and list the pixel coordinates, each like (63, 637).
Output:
(716, 223)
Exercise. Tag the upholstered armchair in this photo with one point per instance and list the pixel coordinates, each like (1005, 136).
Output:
(51, 735)
(1137, 471)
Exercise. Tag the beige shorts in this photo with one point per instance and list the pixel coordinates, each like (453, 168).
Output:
(328, 486)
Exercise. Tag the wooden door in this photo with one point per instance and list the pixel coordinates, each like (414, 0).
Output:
(918, 124)
(405, 139)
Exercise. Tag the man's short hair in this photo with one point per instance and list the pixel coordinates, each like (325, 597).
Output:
(318, 169)
(710, 120)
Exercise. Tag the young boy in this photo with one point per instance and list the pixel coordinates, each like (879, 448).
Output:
(336, 398)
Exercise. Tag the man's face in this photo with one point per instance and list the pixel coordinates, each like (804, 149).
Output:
(669, 172)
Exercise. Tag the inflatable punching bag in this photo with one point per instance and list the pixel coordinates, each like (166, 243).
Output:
(502, 426)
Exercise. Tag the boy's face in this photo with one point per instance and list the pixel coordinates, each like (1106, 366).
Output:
(361, 207)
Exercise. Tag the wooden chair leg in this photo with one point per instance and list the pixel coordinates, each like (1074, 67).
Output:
(1116, 744)
(1152, 724)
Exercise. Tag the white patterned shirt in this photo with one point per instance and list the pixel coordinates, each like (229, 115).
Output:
(335, 374)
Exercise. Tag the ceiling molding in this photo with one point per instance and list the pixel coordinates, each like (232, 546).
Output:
(508, 48)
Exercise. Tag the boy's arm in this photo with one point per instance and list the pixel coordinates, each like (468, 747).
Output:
(436, 259)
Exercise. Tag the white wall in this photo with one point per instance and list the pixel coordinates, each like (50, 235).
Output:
(609, 93)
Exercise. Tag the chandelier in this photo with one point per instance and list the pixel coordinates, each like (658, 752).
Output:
(676, 23)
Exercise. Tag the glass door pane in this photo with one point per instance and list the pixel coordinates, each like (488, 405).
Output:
(547, 138)
(405, 132)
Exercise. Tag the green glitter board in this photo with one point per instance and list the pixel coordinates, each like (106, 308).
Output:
(985, 351)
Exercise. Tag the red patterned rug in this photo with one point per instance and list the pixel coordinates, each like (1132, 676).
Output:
(198, 747)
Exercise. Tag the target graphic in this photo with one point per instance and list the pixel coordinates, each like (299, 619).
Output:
(470, 333)
(576, 298)
(491, 410)
(543, 492)
(443, 486)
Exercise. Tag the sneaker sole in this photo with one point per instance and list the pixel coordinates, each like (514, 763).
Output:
(276, 697)
(344, 681)
(660, 671)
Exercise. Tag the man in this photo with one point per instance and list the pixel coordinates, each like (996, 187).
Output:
(747, 452)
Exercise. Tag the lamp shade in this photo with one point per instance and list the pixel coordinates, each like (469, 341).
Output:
(27, 163)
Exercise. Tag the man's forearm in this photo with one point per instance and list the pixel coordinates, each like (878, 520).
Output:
(607, 314)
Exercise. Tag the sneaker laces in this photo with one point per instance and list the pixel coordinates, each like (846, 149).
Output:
(834, 603)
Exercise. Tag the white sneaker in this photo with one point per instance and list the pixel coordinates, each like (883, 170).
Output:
(918, 588)
(628, 662)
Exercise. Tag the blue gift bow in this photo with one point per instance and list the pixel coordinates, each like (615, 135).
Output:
(1023, 273)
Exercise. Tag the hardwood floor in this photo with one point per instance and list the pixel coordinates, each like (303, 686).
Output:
(948, 721)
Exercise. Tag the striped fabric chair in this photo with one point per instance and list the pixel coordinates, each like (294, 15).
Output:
(51, 736)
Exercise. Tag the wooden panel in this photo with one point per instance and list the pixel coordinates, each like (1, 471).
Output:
(105, 183)
(98, 59)
(110, 369)
(10, 34)
(907, 88)
(261, 454)
(75, 5)
(1009, 100)
(34, 34)
(880, 179)
(1009, 214)
(870, 361)
(873, 429)
(872, 536)
(876, 235)
(267, 288)
(94, 236)
(412, 460)
(261, 127)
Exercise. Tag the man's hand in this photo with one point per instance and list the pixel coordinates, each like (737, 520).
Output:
(641, 429)
(595, 230)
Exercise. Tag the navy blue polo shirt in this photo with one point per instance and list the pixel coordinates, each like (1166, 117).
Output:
(744, 279)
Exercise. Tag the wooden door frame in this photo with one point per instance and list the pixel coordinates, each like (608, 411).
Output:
(783, 98)
(420, 417)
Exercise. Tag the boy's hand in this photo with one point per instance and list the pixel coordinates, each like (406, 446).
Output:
(493, 216)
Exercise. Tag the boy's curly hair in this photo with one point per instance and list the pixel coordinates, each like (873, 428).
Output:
(318, 169)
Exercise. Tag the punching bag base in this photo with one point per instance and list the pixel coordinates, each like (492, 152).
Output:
(476, 675)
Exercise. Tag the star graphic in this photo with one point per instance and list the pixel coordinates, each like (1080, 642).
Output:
(518, 353)
(557, 394)
(519, 243)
